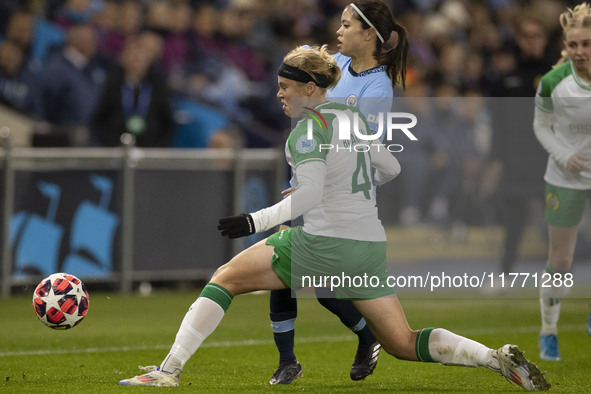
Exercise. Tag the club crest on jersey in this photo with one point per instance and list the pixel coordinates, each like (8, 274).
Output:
(305, 145)
(351, 101)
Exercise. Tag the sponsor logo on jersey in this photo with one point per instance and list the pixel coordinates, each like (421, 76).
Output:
(580, 128)
(305, 145)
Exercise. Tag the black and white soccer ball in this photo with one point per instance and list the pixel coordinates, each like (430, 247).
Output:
(60, 301)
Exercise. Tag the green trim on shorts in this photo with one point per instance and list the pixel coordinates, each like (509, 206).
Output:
(565, 207)
(281, 241)
(305, 260)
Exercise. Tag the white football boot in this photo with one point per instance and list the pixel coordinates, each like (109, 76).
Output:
(517, 369)
(153, 377)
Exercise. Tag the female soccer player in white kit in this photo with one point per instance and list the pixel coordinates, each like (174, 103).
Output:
(372, 57)
(333, 192)
(563, 125)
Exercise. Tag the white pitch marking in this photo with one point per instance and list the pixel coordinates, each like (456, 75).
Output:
(259, 342)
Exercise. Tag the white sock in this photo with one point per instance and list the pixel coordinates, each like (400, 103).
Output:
(550, 309)
(550, 300)
(200, 321)
(448, 348)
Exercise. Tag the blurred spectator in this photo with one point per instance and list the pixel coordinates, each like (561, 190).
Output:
(159, 16)
(17, 82)
(21, 29)
(415, 156)
(219, 58)
(153, 46)
(47, 38)
(443, 166)
(205, 25)
(176, 43)
(134, 100)
(7, 7)
(198, 113)
(69, 90)
(455, 150)
(235, 25)
(516, 161)
(116, 22)
(227, 138)
(421, 54)
(450, 70)
(475, 117)
(105, 20)
(213, 74)
(35, 35)
(77, 12)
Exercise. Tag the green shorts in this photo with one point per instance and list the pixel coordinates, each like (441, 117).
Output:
(564, 207)
(353, 269)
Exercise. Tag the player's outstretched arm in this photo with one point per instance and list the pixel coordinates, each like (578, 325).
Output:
(304, 197)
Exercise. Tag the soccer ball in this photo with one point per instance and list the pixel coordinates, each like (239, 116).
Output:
(60, 301)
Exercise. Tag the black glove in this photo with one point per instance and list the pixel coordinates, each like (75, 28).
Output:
(237, 226)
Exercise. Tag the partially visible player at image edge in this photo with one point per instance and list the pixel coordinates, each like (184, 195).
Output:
(562, 124)
(324, 194)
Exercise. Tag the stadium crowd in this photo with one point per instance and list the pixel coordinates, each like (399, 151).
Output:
(202, 73)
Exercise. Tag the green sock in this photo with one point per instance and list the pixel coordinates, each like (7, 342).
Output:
(422, 345)
(217, 294)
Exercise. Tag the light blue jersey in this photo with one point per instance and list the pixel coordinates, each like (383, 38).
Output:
(370, 91)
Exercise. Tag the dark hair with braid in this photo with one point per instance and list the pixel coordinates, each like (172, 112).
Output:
(393, 51)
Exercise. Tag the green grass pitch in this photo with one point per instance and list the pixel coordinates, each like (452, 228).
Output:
(122, 332)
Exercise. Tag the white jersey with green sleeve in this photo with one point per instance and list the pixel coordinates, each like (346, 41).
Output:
(564, 99)
(348, 207)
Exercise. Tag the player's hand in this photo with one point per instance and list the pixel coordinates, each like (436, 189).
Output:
(287, 192)
(237, 226)
(577, 163)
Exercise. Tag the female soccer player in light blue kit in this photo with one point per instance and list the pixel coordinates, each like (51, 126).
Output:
(341, 233)
(562, 125)
(372, 57)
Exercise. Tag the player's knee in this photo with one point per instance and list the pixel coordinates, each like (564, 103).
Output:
(392, 349)
(223, 276)
(399, 352)
(219, 272)
(400, 346)
(561, 262)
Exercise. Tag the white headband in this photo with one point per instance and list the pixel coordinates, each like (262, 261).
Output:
(367, 21)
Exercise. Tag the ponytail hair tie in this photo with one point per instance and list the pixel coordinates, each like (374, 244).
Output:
(392, 41)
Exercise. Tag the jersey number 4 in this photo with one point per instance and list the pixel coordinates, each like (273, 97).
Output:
(361, 174)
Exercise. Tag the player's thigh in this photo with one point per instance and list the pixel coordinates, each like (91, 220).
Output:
(564, 206)
(388, 323)
(563, 241)
(249, 270)
(564, 210)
